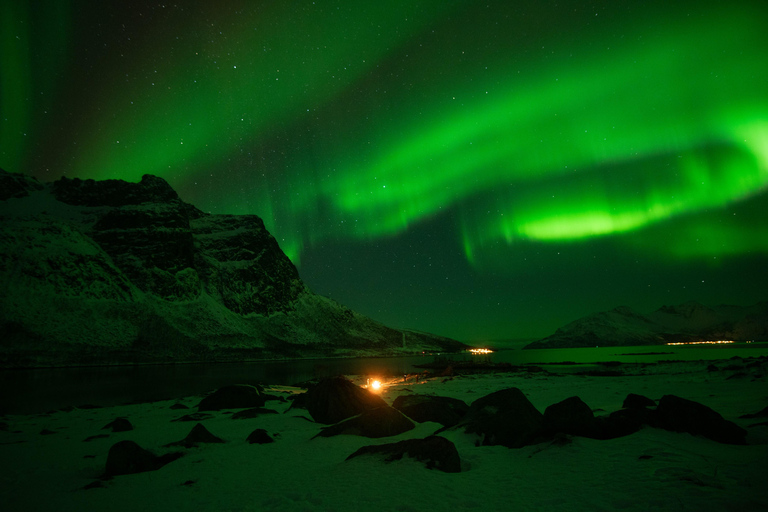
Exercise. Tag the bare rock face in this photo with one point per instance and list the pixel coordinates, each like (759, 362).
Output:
(17, 185)
(336, 399)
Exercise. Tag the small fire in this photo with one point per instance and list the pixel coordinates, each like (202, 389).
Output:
(376, 385)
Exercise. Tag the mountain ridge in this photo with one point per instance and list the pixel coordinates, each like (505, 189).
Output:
(684, 323)
(113, 272)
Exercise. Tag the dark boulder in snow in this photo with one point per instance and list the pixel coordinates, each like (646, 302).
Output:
(259, 436)
(440, 409)
(570, 416)
(383, 421)
(118, 425)
(195, 416)
(252, 413)
(634, 401)
(198, 435)
(763, 413)
(682, 415)
(126, 457)
(434, 451)
(505, 417)
(334, 399)
(238, 396)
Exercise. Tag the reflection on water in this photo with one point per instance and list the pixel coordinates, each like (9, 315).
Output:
(34, 391)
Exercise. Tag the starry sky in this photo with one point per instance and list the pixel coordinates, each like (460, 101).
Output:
(479, 170)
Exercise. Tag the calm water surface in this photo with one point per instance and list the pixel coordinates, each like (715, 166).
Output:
(41, 390)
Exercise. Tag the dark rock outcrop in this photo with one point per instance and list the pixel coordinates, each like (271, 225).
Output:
(683, 415)
(17, 185)
(383, 421)
(237, 396)
(440, 409)
(435, 452)
(335, 399)
(505, 417)
(198, 435)
(126, 457)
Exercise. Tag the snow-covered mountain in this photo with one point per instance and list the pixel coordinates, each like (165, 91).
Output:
(111, 271)
(689, 322)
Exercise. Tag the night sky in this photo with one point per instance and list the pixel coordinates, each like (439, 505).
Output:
(473, 169)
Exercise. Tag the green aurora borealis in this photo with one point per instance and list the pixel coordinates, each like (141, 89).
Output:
(474, 170)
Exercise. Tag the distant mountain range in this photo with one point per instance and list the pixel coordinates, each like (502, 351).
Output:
(685, 323)
(95, 272)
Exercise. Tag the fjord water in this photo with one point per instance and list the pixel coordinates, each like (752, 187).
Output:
(32, 391)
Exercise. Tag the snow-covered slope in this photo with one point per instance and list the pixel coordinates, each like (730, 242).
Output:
(110, 271)
(689, 322)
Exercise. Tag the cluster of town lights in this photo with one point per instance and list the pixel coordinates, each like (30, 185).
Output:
(480, 351)
(719, 342)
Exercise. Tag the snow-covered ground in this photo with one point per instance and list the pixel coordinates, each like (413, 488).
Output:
(650, 470)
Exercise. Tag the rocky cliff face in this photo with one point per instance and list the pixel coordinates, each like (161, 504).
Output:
(110, 271)
(685, 323)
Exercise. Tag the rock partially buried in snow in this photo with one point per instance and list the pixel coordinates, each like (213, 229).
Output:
(259, 436)
(440, 409)
(238, 396)
(505, 417)
(683, 415)
(434, 451)
(198, 435)
(252, 413)
(335, 399)
(634, 401)
(127, 457)
(118, 425)
(383, 421)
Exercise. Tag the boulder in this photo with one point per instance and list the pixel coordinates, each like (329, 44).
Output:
(682, 415)
(198, 435)
(383, 421)
(259, 436)
(335, 399)
(434, 451)
(238, 396)
(126, 457)
(570, 416)
(634, 401)
(252, 413)
(505, 417)
(440, 409)
(118, 425)
(623, 422)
